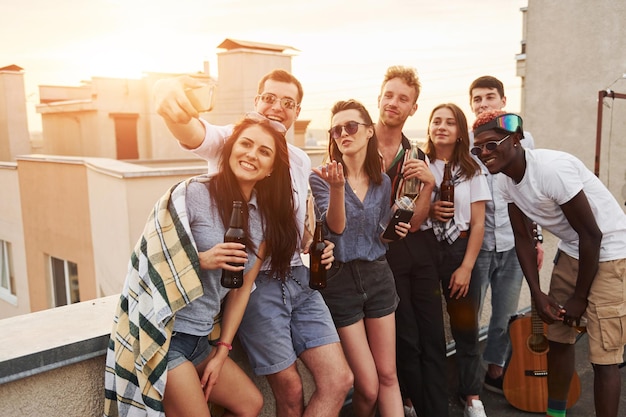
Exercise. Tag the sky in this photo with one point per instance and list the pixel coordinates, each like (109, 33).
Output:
(344, 46)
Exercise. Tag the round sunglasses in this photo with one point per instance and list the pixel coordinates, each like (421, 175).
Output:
(490, 146)
(351, 128)
(285, 102)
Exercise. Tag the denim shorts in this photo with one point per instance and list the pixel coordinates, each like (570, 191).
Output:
(606, 310)
(187, 347)
(360, 289)
(282, 320)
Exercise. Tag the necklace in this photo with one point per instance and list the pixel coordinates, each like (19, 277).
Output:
(355, 183)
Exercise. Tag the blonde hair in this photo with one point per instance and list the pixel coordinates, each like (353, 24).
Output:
(406, 74)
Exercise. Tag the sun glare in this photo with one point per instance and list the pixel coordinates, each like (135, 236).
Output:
(139, 36)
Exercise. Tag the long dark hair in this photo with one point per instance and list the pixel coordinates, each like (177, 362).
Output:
(460, 155)
(274, 198)
(372, 165)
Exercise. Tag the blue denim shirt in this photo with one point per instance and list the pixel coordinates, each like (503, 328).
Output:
(361, 237)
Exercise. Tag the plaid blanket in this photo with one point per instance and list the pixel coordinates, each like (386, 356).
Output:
(163, 277)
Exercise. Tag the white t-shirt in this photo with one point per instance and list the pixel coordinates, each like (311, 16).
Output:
(299, 167)
(553, 178)
(465, 193)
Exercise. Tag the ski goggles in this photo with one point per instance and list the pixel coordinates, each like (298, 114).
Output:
(508, 122)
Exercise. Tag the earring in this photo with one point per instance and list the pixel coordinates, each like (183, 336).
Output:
(458, 139)
(268, 174)
(515, 145)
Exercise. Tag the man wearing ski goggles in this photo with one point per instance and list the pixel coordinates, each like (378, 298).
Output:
(507, 123)
(588, 281)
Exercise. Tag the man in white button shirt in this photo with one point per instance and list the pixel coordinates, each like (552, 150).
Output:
(284, 320)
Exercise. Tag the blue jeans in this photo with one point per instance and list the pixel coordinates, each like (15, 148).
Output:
(502, 271)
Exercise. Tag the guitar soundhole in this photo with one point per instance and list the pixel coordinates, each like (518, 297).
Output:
(538, 343)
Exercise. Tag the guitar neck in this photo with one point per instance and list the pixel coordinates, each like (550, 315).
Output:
(536, 322)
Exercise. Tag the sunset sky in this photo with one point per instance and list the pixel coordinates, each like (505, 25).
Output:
(345, 46)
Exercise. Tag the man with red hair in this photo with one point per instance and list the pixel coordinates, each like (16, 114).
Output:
(558, 192)
(497, 265)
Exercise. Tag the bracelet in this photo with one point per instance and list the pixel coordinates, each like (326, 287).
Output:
(226, 345)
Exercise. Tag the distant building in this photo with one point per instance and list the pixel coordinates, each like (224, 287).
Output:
(75, 201)
(571, 51)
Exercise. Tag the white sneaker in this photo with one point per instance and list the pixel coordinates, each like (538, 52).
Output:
(409, 412)
(475, 410)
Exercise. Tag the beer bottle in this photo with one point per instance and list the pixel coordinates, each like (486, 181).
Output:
(317, 271)
(235, 233)
(411, 186)
(446, 189)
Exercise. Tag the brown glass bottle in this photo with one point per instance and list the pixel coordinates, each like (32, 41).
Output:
(317, 271)
(235, 233)
(446, 189)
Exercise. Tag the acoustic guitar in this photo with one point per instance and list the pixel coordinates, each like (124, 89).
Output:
(525, 383)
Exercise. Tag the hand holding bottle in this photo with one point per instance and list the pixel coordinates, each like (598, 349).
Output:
(222, 255)
(442, 210)
(412, 184)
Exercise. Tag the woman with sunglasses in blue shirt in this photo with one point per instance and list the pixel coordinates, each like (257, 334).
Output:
(360, 293)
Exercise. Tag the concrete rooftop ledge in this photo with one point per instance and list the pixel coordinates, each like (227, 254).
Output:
(127, 169)
(54, 338)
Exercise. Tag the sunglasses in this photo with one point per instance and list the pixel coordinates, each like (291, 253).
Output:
(351, 128)
(285, 102)
(258, 117)
(490, 146)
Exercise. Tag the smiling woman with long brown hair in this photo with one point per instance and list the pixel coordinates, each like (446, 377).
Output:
(159, 360)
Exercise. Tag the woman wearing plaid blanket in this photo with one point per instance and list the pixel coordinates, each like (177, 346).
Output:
(459, 228)
(183, 371)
